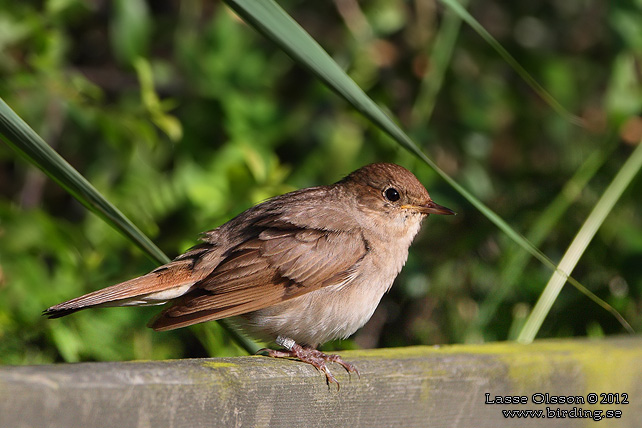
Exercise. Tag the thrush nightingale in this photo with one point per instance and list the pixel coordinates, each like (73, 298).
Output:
(301, 268)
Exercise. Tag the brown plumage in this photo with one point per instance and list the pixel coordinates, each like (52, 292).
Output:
(304, 267)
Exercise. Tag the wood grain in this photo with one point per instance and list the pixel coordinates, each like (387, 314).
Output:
(409, 387)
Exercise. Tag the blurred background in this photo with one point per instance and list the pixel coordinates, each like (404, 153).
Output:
(183, 117)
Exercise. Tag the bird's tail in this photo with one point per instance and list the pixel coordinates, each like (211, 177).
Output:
(157, 287)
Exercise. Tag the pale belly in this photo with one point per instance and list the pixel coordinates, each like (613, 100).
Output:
(316, 317)
(329, 313)
(336, 311)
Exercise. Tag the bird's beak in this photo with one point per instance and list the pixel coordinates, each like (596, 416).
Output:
(431, 208)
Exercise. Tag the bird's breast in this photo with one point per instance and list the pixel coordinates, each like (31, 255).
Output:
(334, 311)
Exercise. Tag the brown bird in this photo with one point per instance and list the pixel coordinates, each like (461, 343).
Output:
(302, 268)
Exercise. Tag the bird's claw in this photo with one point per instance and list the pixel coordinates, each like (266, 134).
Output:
(315, 358)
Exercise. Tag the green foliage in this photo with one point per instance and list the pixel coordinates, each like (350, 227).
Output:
(183, 116)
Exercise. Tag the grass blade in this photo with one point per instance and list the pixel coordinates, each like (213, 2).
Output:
(439, 59)
(517, 260)
(461, 11)
(583, 238)
(24, 140)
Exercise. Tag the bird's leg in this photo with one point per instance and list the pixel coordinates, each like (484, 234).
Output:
(310, 355)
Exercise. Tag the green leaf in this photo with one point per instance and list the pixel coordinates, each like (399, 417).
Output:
(166, 122)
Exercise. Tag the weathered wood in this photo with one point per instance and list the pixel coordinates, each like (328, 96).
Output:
(409, 387)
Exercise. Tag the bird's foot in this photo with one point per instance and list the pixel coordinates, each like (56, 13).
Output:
(316, 358)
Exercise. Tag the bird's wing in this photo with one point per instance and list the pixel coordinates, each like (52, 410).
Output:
(276, 265)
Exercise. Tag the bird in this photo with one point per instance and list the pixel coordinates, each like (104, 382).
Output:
(298, 269)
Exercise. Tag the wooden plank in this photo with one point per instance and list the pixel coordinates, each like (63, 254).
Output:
(410, 387)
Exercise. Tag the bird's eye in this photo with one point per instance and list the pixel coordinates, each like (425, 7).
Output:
(391, 194)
